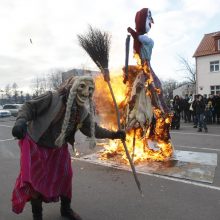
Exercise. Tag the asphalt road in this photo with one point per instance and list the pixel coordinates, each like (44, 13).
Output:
(102, 193)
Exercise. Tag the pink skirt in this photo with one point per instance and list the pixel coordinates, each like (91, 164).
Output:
(47, 171)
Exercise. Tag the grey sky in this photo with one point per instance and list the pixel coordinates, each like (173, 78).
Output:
(53, 25)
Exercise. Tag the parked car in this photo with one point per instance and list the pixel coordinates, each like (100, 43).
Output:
(13, 108)
(4, 113)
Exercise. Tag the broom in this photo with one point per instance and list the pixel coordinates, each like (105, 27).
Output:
(97, 44)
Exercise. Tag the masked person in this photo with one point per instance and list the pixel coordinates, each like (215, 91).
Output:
(45, 126)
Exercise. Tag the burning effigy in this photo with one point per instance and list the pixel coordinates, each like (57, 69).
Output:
(144, 114)
(146, 140)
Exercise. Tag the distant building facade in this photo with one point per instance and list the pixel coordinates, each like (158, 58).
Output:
(207, 57)
(78, 72)
(186, 89)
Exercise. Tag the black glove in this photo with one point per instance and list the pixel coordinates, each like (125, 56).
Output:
(120, 134)
(20, 128)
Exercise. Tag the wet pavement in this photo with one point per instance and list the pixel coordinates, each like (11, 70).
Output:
(105, 193)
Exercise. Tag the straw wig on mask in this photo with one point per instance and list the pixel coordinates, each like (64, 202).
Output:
(73, 84)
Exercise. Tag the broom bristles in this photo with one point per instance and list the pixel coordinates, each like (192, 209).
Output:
(97, 44)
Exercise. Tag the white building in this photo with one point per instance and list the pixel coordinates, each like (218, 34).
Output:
(186, 89)
(207, 57)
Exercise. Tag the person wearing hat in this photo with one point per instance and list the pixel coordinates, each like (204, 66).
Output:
(143, 46)
(44, 127)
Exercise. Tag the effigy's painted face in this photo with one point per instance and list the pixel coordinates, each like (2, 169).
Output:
(84, 91)
(149, 21)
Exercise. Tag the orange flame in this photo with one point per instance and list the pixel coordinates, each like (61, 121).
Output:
(142, 144)
(103, 100)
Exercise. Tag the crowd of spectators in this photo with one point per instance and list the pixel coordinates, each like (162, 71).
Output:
(200, 110)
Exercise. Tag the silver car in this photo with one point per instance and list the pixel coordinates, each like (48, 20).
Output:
(4, 113)
(13, 108)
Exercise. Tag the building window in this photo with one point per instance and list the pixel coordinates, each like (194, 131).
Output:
(219, 44)
(215, 89)
(214, 66)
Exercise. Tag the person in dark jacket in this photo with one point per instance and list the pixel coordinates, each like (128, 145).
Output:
(217, 107)
(177, 109)
(208, 112)
(186, 111)
(45, 125)
(213, 99)
(200, 113)
(193, 107)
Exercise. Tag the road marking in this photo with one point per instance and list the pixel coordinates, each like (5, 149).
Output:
(188, 126)
(203, 185)
(9, 139)
(8, 126)
(199, 148)
(184, 181)
(199, 134)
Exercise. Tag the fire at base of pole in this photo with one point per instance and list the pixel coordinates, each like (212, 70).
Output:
(194, 166)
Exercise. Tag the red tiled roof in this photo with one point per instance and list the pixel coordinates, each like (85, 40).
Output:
(207, 45)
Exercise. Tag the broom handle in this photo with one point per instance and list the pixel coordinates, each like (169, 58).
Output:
(123, 142)
(107, 79)
(127, 44)
(116, 106)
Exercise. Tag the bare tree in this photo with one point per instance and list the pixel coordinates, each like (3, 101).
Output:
(39, 86)
(55, 79)
(188, 68)
(36, 86)
(8, 92)
(15, 92)
(43, 85)
(52, 81)
(168, 87)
